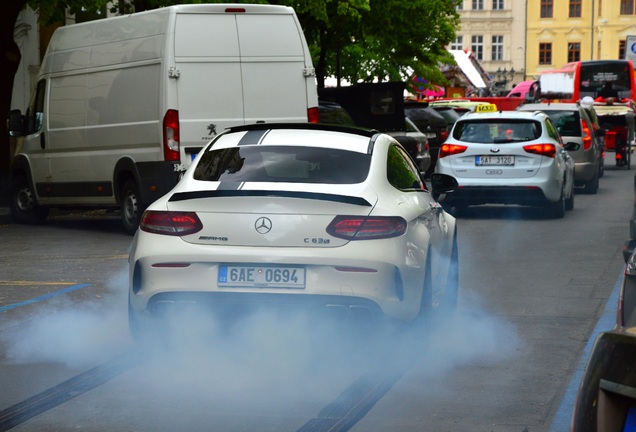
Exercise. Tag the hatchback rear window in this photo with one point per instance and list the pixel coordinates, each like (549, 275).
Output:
(283, 164)
(567, 122)
(497, 130)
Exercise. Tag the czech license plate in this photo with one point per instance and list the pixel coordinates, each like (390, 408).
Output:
(495, 160)
(261, 277)
(430, 135)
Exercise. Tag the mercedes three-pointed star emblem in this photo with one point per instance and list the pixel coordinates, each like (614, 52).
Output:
(263, 225)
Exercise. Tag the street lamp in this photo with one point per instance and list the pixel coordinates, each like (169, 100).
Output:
(503, 77)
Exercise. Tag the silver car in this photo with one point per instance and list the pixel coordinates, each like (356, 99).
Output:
(508, 157)
(575, 125)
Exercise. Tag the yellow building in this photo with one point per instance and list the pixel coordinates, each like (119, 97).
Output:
(561, 31)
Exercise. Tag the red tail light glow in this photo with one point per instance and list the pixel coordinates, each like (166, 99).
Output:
(547, 150)
(443, 136)
(171, 136)
(451, 149)
(170, 223)
(587, 136)
(313, 116)
(366, 228)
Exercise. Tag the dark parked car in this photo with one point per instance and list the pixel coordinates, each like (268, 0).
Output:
(392, 121)
(450, 115)
(431, 123)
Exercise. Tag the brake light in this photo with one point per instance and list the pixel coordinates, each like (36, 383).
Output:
(170, 223)
(451, 149)
(443, 135)
(587, 136)
(313, 116)
(547, 150)
(171, 136)
(234, 10)
(366, 228)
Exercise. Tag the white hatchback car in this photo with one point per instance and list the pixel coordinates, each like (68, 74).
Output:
(297, 216)
(508, 157)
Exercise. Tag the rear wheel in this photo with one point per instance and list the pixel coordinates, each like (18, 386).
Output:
(557, 209)
(131, 208)
(24, 206)
(591, 186)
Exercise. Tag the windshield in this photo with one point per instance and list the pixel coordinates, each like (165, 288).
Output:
(283, 164)
(497, 130)
(605, 79)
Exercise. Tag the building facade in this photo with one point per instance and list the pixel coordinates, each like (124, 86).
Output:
(495, 30)
(561, 31)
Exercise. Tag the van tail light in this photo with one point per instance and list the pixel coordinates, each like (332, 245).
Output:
(170, 223)
(451, 149)
(587, 135)
(547, 150)
(366, 227)
(313, 115)
(171, 136)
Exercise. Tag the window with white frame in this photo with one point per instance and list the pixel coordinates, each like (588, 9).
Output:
(458, 43)
(497, 48)
(478, 4)
(477, 47)
(497, 4)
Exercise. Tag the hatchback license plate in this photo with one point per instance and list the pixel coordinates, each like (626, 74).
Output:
(494, 160)
(261, 277)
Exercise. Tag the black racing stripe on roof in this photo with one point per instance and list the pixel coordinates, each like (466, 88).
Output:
(253, 137)
(230, 185)
(184, 196)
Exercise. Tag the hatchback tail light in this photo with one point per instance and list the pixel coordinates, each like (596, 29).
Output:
(171, 136)
(587, 135)
(451, 149)
(366, 228)
(547, 150)
(170, 223)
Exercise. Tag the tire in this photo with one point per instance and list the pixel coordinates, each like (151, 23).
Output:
(131, 207)
(451, 293)
(591, 186)
(24, 206)
(569, 202)
(557, 209)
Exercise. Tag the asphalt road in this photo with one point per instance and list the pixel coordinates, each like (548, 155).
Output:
(532, 291)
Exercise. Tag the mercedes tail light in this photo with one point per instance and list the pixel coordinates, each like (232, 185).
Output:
(547, 150)
(170, 223)
(587, 135)
(366, 227)
(451, 149)
(171, 136)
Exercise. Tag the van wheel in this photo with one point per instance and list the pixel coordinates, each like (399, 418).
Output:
(24, 206)
(131, 208)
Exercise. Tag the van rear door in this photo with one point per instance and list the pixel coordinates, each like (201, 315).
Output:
(275, 67)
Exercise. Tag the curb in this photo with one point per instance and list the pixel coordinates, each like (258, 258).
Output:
(5, 216)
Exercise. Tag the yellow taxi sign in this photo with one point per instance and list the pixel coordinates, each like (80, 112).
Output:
(486, 108)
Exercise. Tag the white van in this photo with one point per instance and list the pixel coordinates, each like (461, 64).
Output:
(124, 104)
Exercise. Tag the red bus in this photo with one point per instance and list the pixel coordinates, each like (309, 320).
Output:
(594, 78)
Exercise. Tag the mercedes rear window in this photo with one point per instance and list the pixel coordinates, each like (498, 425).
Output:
(283, 164)
(497, 130)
